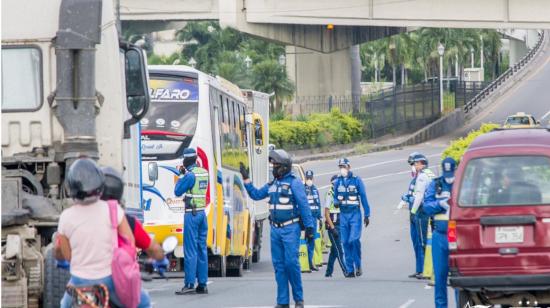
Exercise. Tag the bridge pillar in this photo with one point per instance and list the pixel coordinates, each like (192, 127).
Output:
(319, 75)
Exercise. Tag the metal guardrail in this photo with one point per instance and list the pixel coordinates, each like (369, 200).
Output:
(505, 76)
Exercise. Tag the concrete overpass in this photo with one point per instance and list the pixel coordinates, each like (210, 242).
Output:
(302, 25)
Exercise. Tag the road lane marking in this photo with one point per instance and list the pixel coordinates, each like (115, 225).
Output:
(407, 303)
(372, 178)
(374, 165)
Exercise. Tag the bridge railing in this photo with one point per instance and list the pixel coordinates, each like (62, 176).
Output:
(491, 87)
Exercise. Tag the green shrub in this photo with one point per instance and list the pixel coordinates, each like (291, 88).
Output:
(459, 146)
(315, 130)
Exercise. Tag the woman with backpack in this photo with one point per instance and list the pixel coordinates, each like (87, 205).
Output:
(88, 239)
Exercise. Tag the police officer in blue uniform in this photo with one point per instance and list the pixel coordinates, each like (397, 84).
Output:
(350, 195)
(289, 211)
(193, 182)
(332, 223)
(436, 205)
(314, 201)
(419, 219)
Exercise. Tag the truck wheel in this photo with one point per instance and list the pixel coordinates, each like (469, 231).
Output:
(236, 266)
(464, 300)
(246, 263)
(55, 280)
(216, 266)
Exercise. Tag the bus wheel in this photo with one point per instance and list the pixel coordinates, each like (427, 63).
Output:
(216, 266)
(246, 263)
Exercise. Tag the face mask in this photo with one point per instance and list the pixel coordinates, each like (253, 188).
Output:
(188, 161)
(309, 182)
(279, 171)
(450, 180)
(344, 172)
(413, 170)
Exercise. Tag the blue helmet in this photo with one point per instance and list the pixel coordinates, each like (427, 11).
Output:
(448, 166)
(309, 174)
(189, 152)
(420, 158)
(344, 162)
(410, 159)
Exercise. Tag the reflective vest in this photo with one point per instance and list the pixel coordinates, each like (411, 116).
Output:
(442, 191)
(429, 173)
(197, 193)
(282, 204)
(312, 195)
(332, 209)
(347, 193)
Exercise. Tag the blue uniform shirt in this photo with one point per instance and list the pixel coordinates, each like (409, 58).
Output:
(315, 201)
(431, 198)
(298, 199)
(186, 182)
(347, 182)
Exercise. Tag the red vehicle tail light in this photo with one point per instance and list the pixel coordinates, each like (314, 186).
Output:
(451, 235)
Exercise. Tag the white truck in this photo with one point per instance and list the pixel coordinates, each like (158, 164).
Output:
(70, 88)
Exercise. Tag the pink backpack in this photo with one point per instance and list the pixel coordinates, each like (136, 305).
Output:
(125, 268)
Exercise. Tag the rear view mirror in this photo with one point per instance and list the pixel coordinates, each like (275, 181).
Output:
(137, 90)
(153, 171)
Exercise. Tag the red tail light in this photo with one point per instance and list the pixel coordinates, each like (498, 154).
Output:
(451, 235)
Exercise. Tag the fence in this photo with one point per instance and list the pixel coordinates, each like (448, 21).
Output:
(398, 110)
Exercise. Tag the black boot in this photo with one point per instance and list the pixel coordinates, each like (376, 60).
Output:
(201, 290)
(358, 272)
(299, 305)
(282, 306)
(350, 275)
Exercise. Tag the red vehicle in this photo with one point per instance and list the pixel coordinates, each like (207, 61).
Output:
(499, 228)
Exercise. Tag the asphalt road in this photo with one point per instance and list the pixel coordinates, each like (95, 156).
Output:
(387, 250)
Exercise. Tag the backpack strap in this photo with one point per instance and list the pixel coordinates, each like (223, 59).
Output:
(114, 225)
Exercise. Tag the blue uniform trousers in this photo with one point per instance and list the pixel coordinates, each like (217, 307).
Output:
(336, 253)
(440, 253)
(419, 237)
(285, 248)
(350, 232)
(195, 229)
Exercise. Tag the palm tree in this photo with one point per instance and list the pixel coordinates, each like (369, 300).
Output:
(270, 77)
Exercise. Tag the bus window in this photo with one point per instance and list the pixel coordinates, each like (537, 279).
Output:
(258, 132)
(227, 112)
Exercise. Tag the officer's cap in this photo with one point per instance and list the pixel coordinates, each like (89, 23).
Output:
(189, 152)
(343, 162)
(448, 165)
(309, 174)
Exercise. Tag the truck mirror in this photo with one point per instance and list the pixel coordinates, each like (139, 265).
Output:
(153, 171)
(137, 90)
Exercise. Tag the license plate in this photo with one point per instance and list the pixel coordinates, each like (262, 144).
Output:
(509, 234)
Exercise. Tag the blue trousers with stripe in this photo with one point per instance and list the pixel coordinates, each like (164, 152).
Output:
(336, 253)
(419, 236)
(195, 229)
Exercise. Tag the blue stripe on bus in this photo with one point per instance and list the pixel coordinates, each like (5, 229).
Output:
(171, 169)
(153, 190)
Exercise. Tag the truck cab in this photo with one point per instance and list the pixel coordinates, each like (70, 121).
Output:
(71, 88)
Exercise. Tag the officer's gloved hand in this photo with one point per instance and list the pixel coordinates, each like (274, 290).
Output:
(444, 204)
(64, 264)
(245, 172)
(405, 197)
(366, 221)
(335, 233)
(310, 234)
(182, 170)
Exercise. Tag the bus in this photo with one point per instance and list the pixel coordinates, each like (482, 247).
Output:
(192, 109)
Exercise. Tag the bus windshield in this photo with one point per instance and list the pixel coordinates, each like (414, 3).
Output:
(174, 106)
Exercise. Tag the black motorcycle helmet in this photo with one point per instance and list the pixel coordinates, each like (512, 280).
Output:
(85, 180)
(114, 186)
(282, 163)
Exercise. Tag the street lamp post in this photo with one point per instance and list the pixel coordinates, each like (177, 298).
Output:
(472, 57)
(192, 62)
(441, 52)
